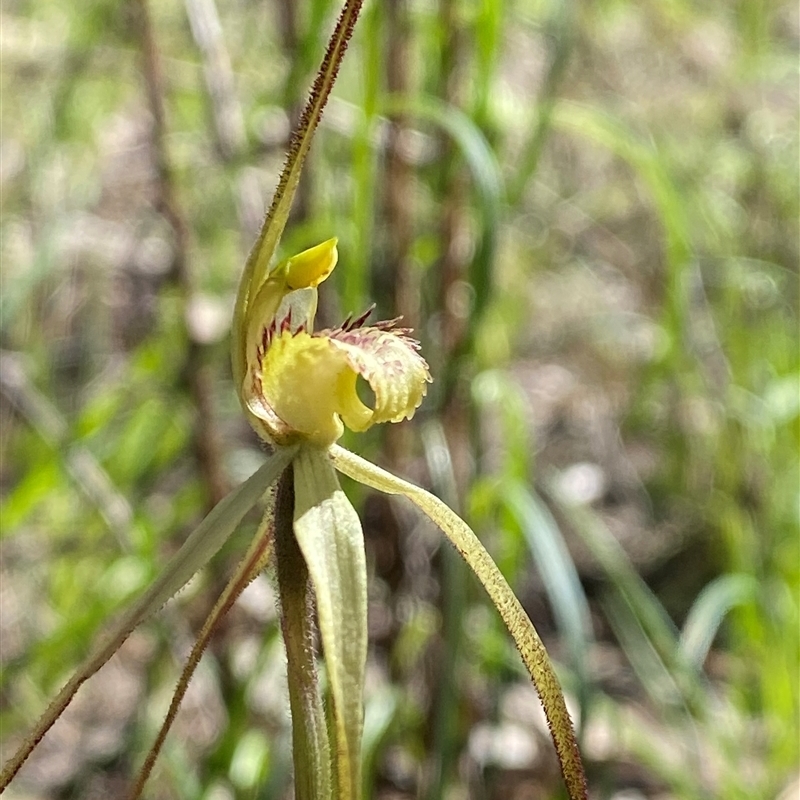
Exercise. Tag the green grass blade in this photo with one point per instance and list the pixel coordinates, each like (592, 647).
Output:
(485, 172)
(329, 533)
(606, 131)
(195, 552)
(614, 561)
(354, 281)
(487, 29)
(709, 609)
(546, 544)
(380, 717)
(519, 625)
(445, 737)
(560, 30)
(637, 644)
(633, 599)
(660, 680)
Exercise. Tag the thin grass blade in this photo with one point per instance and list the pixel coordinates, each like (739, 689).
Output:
(603, 129)
(546, 544)
(380, 716)
(485, 173)
(613, 559)
(709, 609)
(634, 598)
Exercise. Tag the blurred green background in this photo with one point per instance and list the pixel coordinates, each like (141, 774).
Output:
(589, 213)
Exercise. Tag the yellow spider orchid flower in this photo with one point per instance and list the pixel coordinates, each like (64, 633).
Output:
(301, 385)
(299, 389)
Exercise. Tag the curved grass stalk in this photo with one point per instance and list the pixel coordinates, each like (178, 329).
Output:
(519, 625)
(195, 552)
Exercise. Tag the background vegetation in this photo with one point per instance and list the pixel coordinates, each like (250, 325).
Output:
(589, 211)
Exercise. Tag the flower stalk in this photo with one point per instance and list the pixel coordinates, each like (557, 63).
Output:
(310, 745)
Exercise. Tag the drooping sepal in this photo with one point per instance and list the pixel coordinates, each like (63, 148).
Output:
(530, 646)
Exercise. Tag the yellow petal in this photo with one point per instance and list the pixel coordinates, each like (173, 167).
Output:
(258, 305)
(294, 393)
(390, 362)
(312, 266)
(306, 385)
(288, 298)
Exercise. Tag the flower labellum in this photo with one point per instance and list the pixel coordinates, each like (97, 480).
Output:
(301, 385)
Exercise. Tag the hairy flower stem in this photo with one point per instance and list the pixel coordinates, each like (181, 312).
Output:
(256, 268)
(312, 766)
(530, 646)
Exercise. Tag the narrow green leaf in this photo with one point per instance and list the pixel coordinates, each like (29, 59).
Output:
(709, 609)
(652, 669)
(519, 625)
(487, 30)
(607, 131)
(557, 569)
(445, 738)
(485, 172)
(380, 717)
(631, 598)
(195, 552)
(329, 533)
(622, 574)
(559, 29)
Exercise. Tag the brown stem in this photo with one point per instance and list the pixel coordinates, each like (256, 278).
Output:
(453, 187)
(207, 442)
(455, 431)
(397, 200)
(226, 113)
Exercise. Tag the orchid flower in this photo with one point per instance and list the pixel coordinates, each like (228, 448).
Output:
(299, 389)
(300, 386)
